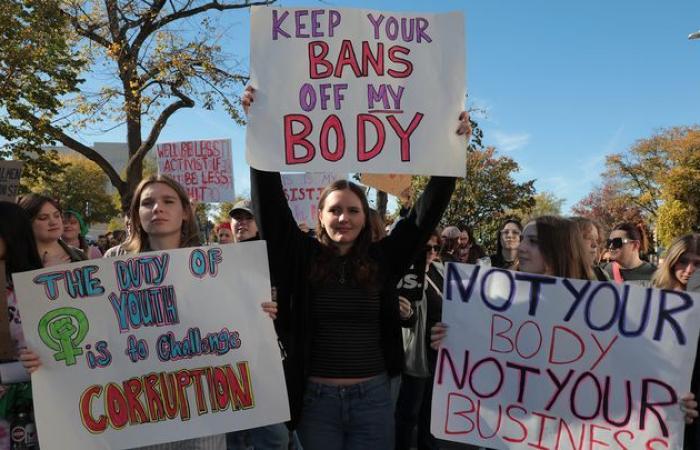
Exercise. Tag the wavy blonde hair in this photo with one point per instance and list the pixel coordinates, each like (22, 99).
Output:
(665, 277)
(138, 239)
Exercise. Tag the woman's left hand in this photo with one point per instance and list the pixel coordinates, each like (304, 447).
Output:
(270, 308)
(405, 309)
(690, 407)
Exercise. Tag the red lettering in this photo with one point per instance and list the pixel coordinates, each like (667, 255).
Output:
(405, 135)
(455, 397)
(291, 139)
(408, 65)
(132, 390)
(241, 390)
(153, 398)
(347, 58)
(517, 422)
(319, 58)
(94, 426)
(116, 406)
(362, 153)
(183, 381)
(500, 334)
(332, 123)
(553, 347)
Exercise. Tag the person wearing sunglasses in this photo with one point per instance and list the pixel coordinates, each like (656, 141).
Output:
(627, 241)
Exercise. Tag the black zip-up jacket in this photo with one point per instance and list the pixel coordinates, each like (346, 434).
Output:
(292, 253)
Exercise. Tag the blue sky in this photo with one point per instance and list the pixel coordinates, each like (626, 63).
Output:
(563, 83)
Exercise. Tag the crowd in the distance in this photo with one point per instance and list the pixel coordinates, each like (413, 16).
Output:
(357, 311)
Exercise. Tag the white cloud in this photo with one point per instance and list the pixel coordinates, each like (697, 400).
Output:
(508, 142)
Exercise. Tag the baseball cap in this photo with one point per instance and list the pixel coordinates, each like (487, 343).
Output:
(243, 205)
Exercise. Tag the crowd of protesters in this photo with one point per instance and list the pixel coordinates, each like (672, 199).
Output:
(357, 310)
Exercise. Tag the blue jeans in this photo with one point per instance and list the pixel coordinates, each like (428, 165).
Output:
(356, 417)
(270, 437)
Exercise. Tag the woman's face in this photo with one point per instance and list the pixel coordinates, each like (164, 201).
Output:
(622, 249)
(342, 217)
(225, 236)
(529, 255)
(71, 227)
(510, 236)
(160, 210)
(431, 250)
(48, 224)
(685, 267)
(590, 240)
(463, 239)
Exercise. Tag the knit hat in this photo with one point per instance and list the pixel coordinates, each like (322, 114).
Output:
(83, 226)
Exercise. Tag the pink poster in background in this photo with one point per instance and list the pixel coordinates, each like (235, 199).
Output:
(204, 168)
(303, 191)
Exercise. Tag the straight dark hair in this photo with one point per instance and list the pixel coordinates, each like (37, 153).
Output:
(32, 204)
(21, 253)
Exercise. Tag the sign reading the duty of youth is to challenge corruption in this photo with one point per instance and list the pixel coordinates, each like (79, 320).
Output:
(532, 361)
(204, 168)
(350, 90)
(152, 348)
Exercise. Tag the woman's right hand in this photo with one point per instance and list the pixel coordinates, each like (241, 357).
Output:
(437, 334)
(29, 360)
(248, 98)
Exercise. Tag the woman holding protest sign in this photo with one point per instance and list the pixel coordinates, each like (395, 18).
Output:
(339, 307)
(162, 219)
(19, 253)
(679, 264)
(627, 241)
(47, 225)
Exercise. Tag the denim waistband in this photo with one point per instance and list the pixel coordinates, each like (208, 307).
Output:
(353, 390)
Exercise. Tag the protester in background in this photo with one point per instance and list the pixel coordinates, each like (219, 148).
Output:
(449, 250)
(47, 225)
(507, 242)
(224, 235)
(469, 250)
(626, 242)
(19, 253)
(415, 394)
(591, 233)
(344, 339)
(378, 225)
(102, 243)
(243, 222)
(162, 219)
(74, 231)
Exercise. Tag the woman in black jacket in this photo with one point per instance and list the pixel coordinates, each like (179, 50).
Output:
(338, 308)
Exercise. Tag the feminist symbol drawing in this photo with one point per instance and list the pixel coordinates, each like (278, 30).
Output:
(62, 330)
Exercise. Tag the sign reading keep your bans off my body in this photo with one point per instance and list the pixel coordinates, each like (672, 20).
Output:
(350, 90)
(533, 361)
(152, 348)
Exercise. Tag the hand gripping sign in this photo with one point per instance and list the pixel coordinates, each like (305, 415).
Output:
(350, 90)
(533, 361)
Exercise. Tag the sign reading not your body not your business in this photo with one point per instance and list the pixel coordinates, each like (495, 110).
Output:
(532, 361)
(350, 90)
(152, 348)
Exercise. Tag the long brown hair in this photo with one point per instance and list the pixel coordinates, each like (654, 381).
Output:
(562, 247)
(138, 238)
(665, 277)
(363, 267)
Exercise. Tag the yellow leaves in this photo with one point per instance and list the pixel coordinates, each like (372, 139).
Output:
(114, 50)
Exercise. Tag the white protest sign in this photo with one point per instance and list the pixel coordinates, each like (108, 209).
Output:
(10, 173)
(152, 348)
(303, 191)
(353, 90)
(532, 361)
(204, 168)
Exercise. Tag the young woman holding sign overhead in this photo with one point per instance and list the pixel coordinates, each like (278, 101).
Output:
(339, 308)
(162, 219)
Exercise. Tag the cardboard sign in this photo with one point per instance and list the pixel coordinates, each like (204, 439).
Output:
(10, 173)
(204, 168)
(352, 90)
(303, 191)
(533, 361)
(394, 184)
(152, 348)
(6, 346)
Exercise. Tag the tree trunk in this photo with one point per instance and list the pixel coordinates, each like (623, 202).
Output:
(381, 201)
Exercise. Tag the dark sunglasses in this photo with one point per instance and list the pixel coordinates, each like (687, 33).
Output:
(618, 242)
(435, 248)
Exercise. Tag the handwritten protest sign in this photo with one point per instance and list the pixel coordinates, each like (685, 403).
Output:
(152, 348)
(394, 184)
(303, 191)
(10, 173)
(204, 168)
(350, 90)
(532, 361)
